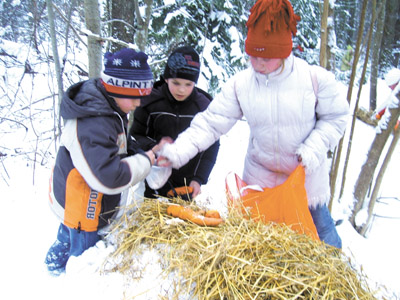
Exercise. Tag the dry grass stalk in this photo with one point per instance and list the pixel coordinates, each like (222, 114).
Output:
(240, 259)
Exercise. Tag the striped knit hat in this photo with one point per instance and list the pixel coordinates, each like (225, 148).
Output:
(126, 74)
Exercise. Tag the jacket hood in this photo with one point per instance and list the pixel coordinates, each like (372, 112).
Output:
(85, 99)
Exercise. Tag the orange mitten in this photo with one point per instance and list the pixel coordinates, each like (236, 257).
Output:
(184, 192)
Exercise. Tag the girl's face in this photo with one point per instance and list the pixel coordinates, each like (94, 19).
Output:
(127, 104)
(265, 65)
(180, 88)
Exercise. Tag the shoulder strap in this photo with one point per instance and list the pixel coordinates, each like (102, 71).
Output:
(314, 82)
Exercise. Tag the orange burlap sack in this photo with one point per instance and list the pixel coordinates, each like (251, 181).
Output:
(286, 203)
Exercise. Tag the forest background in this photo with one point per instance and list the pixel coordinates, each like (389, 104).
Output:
(67, 40)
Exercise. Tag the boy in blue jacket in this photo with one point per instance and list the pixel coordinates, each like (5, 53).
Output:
(96, 162)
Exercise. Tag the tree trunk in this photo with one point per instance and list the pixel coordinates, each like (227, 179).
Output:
(391, 34)
(376, 55)
(324, 35)
(122, 15)
(358, 8)
(57, 64)
(368, 169)
(328, 40)
(370, 31)
(92, 19)
(143, 24)
(68, 27)
(332, 177)
(331, 42)
(37, 12)
(379, 180)
(333, 180)
(142, 33)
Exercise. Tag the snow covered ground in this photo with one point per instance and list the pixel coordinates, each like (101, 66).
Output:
(29, 228)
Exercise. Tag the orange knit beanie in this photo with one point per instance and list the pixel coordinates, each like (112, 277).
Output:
(269, 29)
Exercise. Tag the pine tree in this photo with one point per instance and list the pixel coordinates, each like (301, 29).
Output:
(219, 25)
(306, 41)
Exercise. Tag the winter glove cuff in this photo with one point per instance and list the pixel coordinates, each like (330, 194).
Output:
(309, 159)
(169, 151)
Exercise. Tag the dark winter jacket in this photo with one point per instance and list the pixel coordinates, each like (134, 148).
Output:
(92, 167)
(162, 116)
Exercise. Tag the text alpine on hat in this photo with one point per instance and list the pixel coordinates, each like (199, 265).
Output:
(183, 63)
(270, 27)
(126, 74)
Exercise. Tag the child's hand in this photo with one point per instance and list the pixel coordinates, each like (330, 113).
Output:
(163, 162)
(165, 140)
(151, 155)
(196, 188)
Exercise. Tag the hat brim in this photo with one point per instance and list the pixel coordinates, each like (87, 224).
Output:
(268, 51)
(121, 92)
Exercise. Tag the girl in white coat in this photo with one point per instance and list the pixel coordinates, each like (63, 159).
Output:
(294, 111)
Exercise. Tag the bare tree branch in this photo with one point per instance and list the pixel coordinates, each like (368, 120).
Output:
(15, 121)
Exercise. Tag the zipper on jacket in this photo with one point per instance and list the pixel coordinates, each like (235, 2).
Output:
(178, 114)
(122, 123)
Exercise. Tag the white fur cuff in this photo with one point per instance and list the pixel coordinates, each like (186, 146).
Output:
(169, 151)
(309, 159)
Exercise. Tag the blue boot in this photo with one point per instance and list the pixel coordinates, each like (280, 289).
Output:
(59, 252)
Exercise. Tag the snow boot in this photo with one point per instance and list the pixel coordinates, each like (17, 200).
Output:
(57, 257)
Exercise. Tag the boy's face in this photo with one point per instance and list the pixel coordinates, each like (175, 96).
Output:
(180, 88)
(127, 104)
(265, 65)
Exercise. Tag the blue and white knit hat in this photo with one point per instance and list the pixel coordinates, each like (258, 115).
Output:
(126, 74)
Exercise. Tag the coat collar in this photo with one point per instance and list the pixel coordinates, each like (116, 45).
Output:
(277, 75)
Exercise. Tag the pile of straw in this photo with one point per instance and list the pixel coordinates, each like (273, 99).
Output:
(240, 259)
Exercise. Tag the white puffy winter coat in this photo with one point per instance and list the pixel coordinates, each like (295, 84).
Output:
(286, 121)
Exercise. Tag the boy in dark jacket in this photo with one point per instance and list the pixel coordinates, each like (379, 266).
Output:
(95, 162)
(173, 103)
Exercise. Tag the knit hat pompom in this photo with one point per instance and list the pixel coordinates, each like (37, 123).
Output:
(271, 25)
(184, 62)
(126, 74)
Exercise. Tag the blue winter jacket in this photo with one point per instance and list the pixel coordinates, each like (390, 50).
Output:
(92, 166)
